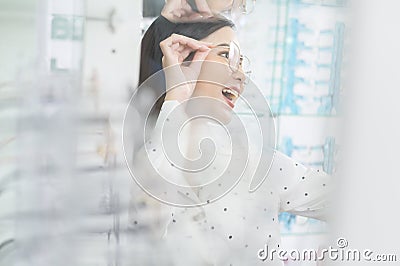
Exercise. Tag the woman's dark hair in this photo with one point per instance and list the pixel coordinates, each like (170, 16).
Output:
(161, 29)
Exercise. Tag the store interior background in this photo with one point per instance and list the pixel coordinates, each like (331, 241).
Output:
(70, 69)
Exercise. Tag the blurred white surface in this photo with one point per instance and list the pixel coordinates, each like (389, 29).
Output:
(367, 212)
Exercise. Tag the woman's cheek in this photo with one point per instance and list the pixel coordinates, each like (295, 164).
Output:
(215, 72)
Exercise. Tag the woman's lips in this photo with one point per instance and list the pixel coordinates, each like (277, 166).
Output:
(236, 89)
(230, 95)
(230, 103)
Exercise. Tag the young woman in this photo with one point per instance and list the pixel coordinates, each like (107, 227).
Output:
(225, 224)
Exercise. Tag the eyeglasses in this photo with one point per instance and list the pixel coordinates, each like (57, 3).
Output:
(237, 61)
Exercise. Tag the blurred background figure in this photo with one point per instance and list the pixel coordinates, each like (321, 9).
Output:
(189, 10)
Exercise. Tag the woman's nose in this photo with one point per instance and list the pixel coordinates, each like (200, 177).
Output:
(239, 75)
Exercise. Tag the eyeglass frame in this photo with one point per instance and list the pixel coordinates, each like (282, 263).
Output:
(232, 46)
(234, 67)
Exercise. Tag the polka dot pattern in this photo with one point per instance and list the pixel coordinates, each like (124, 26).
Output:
(230, 230)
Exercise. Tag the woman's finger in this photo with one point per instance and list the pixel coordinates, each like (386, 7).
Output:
(176, 48)
(183, 50)
(203, 7)
(179, 13)
(169, 58)
(186, 52)
(187, 7)
(196, 16)
(182, 47)
(195, 45)
(200, 55)
(188, 41)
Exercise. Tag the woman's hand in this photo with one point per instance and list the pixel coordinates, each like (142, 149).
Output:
(181, 11)
(176, 49)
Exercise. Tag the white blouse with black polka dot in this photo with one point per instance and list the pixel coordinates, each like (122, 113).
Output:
(231, 230)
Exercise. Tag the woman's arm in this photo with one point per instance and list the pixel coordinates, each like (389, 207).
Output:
(151, 168)
(302, 190)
